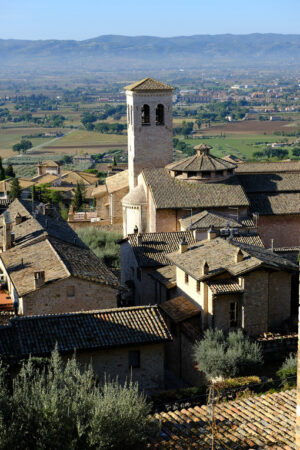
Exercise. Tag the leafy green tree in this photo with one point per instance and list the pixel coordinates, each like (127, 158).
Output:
(78, 197)
(22, 146)
(15, 190)
(220, 356)
(60, 406)
(288, 371)
(9, 171)
(296, 152)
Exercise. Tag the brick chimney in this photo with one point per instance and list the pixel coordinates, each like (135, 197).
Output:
(183, 245)
(39, 279)
(6, 234)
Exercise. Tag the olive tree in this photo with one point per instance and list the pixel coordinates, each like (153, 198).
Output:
(61, 406)
(223, 356)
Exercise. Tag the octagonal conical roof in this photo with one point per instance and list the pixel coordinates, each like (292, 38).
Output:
(203, 161)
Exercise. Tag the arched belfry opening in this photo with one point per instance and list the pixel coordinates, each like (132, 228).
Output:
(145, 115)
(160, 114)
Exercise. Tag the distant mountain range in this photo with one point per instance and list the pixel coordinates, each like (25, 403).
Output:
(123, 53)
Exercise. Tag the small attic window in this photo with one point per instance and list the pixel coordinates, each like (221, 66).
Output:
(160, 115)
(145, 115)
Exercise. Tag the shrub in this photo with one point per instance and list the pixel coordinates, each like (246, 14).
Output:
(220, 356)
(62, 407)
(288, 371)
(103, 243)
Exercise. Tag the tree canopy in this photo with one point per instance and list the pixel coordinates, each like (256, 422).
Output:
(22, 146)
(56, 406)
(15, 189)
(220, 356)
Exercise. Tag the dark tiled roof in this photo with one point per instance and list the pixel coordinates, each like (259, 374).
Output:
(154, 246)
(37, 224)
(275, 182)
(38, 335)
(269, 204)
(148, 84)
(225, 287)
(220, 256)
(171, 193)
(205, 219)
(201, 163)
(180, 309)
(250, 239)
(261, 422)
(58, 259)
(269, 167)
(166, 275)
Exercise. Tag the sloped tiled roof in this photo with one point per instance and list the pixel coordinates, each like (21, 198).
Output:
(180, 309)
(275, 182)
(269, 167)
(171, 193)
(200, 163)
(166, 275)
(117, 182)
(269, 204)
(104, 329)
(204, 219)
(154, 246)
(148, 84)
(220, 256)
(58, 259)
(250, 239)
(257, 422)
(225, 287)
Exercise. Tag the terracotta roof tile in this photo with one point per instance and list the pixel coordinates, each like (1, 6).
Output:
(200, 163)
(171, 193)
(269, 204)
(153, 247)
(275, 182)
(225, 287)
(148, 84)
(180, 309)
(38, 335)
(166, 275)
(255, 422)
(269, 167)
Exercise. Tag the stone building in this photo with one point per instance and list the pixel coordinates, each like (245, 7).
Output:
(230, 282)
(149, 119)
(108, 197)
(123, 342)
(50, 167)
(47, 268)
(141, 254)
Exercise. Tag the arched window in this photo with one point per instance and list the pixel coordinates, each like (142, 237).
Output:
(160, 119)
(145, 115)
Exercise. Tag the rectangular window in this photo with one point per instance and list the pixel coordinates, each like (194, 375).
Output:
(186, 278)
(71, 291)
(198, 286)
(233, 314)
(134, 359)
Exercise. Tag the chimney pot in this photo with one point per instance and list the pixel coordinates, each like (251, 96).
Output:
(183, 245)
(238, 255)
(211, 233)
(204, 268)
(39, 279)
(136, 230)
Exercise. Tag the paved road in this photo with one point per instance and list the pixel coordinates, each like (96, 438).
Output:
(44, 144)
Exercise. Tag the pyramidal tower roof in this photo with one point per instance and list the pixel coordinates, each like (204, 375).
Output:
(148, 84)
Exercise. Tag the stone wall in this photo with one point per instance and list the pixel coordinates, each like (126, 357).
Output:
(285, 230)
(54, 299)
(115, 363)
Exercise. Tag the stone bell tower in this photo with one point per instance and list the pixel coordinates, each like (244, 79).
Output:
(149, 123)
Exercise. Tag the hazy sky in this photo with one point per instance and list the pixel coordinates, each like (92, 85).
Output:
(74, 19)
